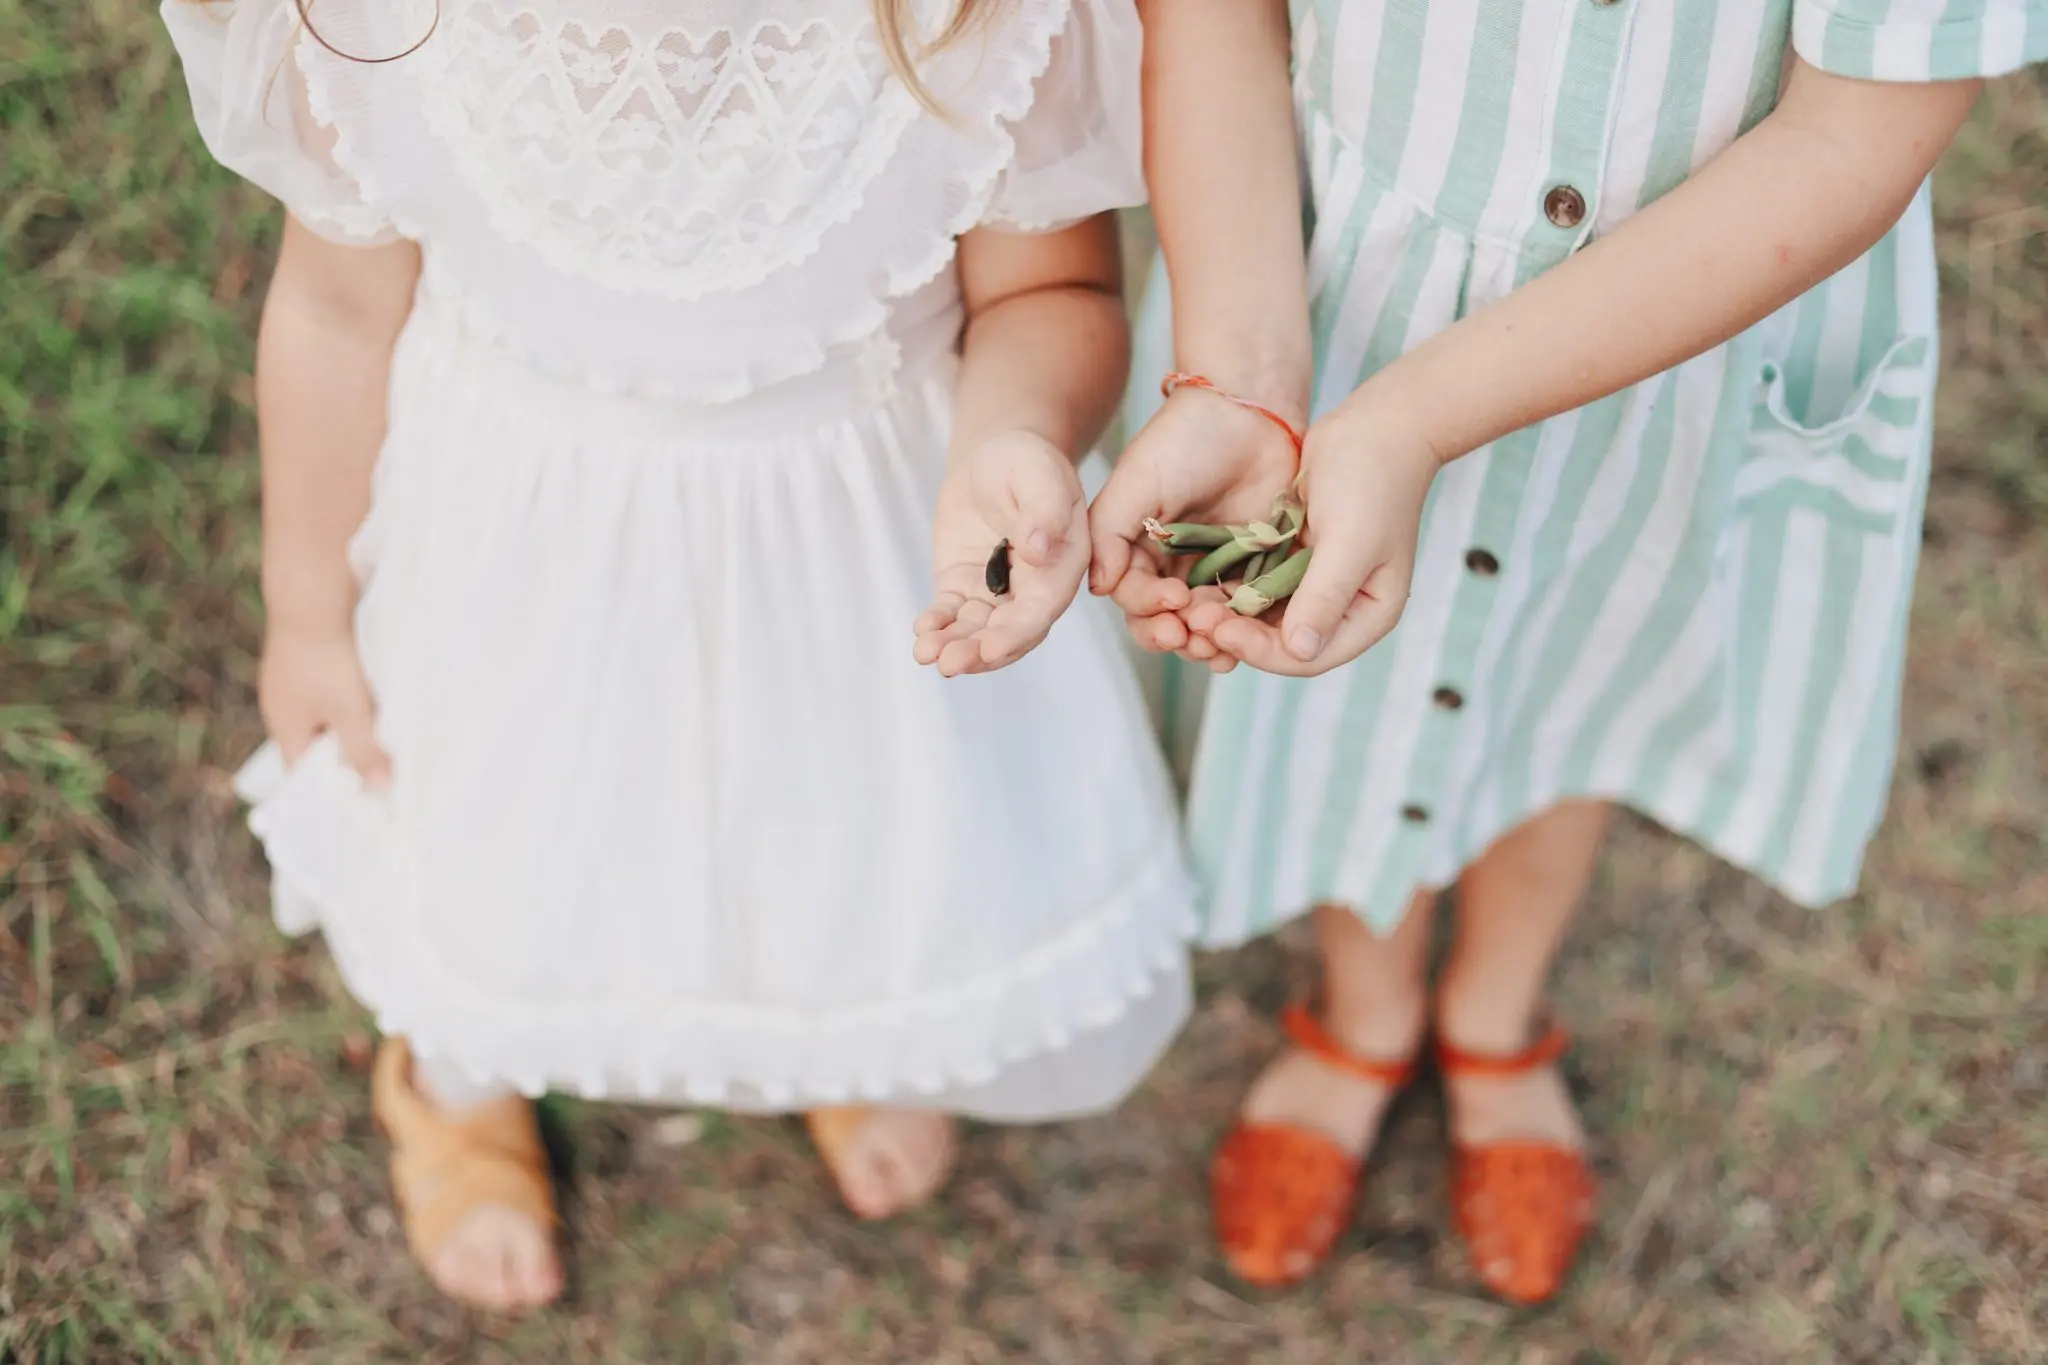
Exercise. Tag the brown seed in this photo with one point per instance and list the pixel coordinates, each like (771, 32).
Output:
(997, 575)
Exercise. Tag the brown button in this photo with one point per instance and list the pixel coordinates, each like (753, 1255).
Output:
(1482, 563)
(1450, 698)
(1564, 206)
(1414, 815)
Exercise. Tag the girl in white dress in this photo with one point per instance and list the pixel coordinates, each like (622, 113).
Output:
(632, 371)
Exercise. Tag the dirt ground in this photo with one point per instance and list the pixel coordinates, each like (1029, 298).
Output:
(1821, 1136)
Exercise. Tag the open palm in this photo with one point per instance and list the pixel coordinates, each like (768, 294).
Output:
(1021, 489)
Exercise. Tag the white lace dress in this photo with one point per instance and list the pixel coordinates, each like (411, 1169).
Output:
(675, 815)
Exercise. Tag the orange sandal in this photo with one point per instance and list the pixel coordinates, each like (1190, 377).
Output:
(1523, 1207)
(1283, 1193)
(491, 1155)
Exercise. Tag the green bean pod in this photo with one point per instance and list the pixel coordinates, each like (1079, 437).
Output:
(1182, 537)
(1219, 560)
(1256, 596)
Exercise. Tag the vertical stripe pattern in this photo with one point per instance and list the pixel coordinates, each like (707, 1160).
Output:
(1690, 597)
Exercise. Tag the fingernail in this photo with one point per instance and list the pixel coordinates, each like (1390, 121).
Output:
(1305, 643)
(1039, 544)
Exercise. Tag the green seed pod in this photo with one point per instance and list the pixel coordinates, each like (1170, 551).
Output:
(1265, 533)
(1288, 515)
(1184, 536)
(1217, 561)
(1259, 563)
(1255, 597)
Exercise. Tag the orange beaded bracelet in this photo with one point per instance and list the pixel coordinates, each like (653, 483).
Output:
(1178, 380)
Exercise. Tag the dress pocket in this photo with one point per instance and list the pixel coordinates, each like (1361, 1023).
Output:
(1861, 462)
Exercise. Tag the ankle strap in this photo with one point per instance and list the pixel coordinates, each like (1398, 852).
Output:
(1456, 1061)
(1311, 1037)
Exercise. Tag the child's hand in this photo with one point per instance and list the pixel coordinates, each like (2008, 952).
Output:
(312, 683)
(1020, 488)
(1198, 459)
(1365, 476)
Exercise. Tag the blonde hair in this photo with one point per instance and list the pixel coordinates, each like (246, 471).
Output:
(894, 21)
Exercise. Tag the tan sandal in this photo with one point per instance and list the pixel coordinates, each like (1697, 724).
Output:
(492, 1155)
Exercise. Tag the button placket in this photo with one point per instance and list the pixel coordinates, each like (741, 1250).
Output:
(1577, 147)
(1503, 469)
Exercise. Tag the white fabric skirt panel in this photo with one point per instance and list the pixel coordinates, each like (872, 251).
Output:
(674, 813)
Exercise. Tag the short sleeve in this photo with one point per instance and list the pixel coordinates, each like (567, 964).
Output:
(249, 97)
(1079, 149)
(1920, 40)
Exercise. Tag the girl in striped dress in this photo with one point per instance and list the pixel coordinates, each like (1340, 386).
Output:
(1617, 338)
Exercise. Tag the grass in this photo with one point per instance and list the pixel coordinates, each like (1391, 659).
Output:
(1820, 1136)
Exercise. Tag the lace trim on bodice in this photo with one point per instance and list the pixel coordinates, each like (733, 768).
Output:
(660, 157)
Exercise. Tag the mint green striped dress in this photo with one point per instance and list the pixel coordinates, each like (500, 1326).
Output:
(1690, 598)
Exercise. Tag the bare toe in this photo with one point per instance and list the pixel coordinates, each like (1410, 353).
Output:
(497, 1259)
(885, 1160)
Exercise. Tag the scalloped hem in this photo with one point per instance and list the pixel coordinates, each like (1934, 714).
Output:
(1065, 1031)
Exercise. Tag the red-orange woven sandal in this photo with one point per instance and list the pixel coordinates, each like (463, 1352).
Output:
(1523, 1207)
(1283, 1193)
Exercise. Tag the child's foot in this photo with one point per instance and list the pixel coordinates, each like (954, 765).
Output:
(1522, 1192)
(1284, 1180)
(1302, 1089)
(885, 1160)
(494, 1257)
(472, 1186)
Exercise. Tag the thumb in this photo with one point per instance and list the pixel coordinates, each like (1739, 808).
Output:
(1043, 496)
(1115, 522)
(1345, 557)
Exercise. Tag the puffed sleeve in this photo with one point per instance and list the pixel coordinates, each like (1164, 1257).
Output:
(249, 98)
(1079, 149)
(1920, 40)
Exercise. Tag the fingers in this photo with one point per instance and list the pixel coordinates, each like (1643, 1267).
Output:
(355, 729)
(1164, 634)
(1260, 643)
(293, 735)
(1116, 521)
(1345, 556)
(952, 618)
(1144, 591)
(1046, 504)
(945, 606)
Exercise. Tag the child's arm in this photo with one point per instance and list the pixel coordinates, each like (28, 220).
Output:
(1221, 162)
(1046, 348)
(1813, 186)
(323, 371)
(1043, 363)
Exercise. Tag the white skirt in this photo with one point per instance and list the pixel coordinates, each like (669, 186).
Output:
(675, 815)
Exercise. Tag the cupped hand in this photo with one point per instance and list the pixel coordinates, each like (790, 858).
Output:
(1365, 478)
(1015, 487)
(1202, 459)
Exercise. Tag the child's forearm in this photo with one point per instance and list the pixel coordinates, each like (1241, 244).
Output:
(322, 380)
(1221, 162)
(1047, 347)
(1811, 188)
